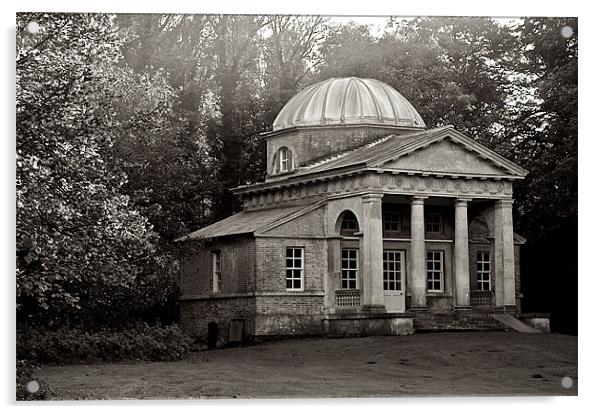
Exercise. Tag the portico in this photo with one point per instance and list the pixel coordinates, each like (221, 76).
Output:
(367, 223)
(377, 241)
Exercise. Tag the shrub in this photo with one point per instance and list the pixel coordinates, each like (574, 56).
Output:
(25, 374)
(140, 342)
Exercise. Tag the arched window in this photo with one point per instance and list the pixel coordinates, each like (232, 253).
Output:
(349, 224)
(283, 160)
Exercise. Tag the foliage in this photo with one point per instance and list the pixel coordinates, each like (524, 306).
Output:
(25, 374)
(77, 232)
(139, 342)
(131, 129)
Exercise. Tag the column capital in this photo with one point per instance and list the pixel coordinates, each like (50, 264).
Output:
(418, 199)
(504, 202)
(372, 197)
(462, 200)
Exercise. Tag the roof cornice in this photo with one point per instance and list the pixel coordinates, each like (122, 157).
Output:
(515, 172)
(393, 128)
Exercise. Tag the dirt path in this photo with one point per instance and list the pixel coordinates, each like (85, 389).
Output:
(475, 363)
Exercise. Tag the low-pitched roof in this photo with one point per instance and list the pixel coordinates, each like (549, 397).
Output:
(242, 223)
(376, 153)
(391, 147)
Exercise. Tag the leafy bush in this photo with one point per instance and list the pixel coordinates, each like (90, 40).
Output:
(25, 374)
(140, 342)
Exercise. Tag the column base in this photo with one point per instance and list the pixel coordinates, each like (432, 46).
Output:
(374, 308)
(509, 308)
(462, 308)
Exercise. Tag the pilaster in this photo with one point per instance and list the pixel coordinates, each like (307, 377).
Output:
(372, 251)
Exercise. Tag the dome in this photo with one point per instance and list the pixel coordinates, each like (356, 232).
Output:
(348, 101)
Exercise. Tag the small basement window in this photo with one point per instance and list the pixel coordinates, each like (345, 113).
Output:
(294, 268)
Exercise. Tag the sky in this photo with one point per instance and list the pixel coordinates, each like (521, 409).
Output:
(377, 24)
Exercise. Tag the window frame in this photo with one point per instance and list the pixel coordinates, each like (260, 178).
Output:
(291, 276)
(396, 273)
(388, 222)
(428, 223)
(481, 271)
(216, 260)
(431, 273)
(284, 158)
(345, 277)
(349, 216)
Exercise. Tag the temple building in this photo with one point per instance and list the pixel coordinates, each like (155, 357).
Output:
(367, 223)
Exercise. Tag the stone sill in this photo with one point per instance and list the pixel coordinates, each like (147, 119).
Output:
(252, 294)
(364, 315)
(439, 295)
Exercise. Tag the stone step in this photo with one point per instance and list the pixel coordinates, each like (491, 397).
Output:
(463, 322)
(513, 323)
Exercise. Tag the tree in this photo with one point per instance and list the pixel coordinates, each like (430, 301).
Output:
(77, 234)
(544, 131)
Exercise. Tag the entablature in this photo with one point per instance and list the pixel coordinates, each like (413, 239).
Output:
(379, 181)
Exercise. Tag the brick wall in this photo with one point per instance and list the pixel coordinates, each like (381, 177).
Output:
(195, 315)
(309, 144)
(238, 267)
(195, 269)
(289, 315)
(310, 224)
(271, 263)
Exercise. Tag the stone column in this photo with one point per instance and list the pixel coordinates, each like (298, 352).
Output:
(373, 299)
(461, 256)
(418, 254)
(505, 295)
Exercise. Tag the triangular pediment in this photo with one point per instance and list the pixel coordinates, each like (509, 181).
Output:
(446, 156)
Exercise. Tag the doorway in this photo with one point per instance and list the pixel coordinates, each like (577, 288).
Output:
(394, 280)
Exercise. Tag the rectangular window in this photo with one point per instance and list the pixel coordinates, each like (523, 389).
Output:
(434, 270)
(483, 271)
(392, 269)
(392, 221)
(294, 268)
(434, 223)
(349, 269)
(217, 271)
(285, 162)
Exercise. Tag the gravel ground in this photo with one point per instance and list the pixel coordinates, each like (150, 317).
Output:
(434, 364)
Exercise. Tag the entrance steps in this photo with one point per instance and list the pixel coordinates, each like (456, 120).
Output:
(457, 321)
(513, 323)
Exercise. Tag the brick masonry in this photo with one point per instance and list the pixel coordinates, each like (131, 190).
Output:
(254, 285)
(309, 144)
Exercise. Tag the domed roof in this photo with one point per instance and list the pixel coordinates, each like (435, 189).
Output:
(345, 101)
